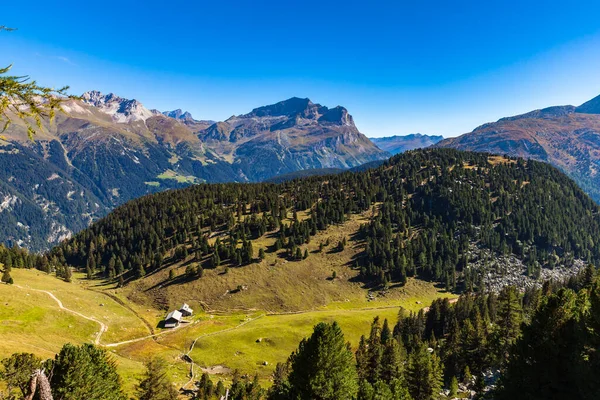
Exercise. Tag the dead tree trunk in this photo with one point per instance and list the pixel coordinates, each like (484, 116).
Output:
(39, 383)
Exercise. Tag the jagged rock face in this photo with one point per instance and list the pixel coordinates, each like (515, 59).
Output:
(107, 150)
(400, 144)
(178, 114)
(291, 135)
(565, 136)
(121, 110)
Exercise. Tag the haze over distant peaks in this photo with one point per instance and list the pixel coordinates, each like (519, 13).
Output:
(178, 114)
(401, 143)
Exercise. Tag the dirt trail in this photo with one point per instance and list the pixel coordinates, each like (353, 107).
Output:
(187, 355)
(155, 335)
(103, 326)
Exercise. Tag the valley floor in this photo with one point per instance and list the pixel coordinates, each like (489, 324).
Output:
(40, 313)
(247, 318)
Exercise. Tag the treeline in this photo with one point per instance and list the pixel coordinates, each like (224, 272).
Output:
(16, 257)
(429, 207)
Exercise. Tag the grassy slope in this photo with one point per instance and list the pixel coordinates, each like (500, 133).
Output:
(32, 322)
(274, 284)
(283, 301)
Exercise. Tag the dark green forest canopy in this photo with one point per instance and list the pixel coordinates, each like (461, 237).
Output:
(430, 206)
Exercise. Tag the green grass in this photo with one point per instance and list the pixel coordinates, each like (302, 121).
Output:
(282, 303)
(152, 183)
(170, 174)
(279, 335)
(31, 322)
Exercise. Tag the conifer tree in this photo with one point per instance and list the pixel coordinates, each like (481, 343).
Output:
(323, 366)
(16, 373)
(508, 326)
(424, 374)
(85, 372)
(545, 362)
(6, 278)
(155, 385)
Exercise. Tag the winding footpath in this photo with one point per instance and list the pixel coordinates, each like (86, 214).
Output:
(103, 326)
(205, 335)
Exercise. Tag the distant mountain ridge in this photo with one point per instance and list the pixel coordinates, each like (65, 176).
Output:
(565, 136)
(105, 150)
(400, 143)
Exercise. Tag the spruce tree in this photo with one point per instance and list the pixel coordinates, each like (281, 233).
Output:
(508, 323)
(155, 385)
(6, 278)
(16, 372)
(85, 372)
(424, 374)
(323, 366)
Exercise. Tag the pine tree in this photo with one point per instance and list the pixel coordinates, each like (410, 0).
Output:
(323, 366)
(453, 387)
(392, 360)
(544, 363)
(374, 352)
(281, 386)
(220, 390)
(85, 372)
(67, 275)
(6, 278)
(508, 324)
(42, 102)
(362, 359)
(424, 374)
(254, 391)
(386, 333)
(16, 372)
(155, 385)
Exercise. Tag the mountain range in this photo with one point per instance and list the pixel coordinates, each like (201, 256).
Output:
(568, 137)
(399, 144)
(105, 150)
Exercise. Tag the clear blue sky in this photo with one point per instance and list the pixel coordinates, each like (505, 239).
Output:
(436, 67)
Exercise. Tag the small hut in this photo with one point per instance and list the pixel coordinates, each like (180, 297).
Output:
(185, 310)
(173, 319)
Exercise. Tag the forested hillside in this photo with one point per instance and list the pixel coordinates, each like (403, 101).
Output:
(567, 137)
(440, 214)
(538, 345)
(104, 150)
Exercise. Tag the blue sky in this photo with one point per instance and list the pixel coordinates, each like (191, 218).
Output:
(436, 67)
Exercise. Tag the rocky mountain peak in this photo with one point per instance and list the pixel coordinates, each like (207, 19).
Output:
(296, 109)
(338, 115)
(121, 110)
(178, 114)
(287, 108)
